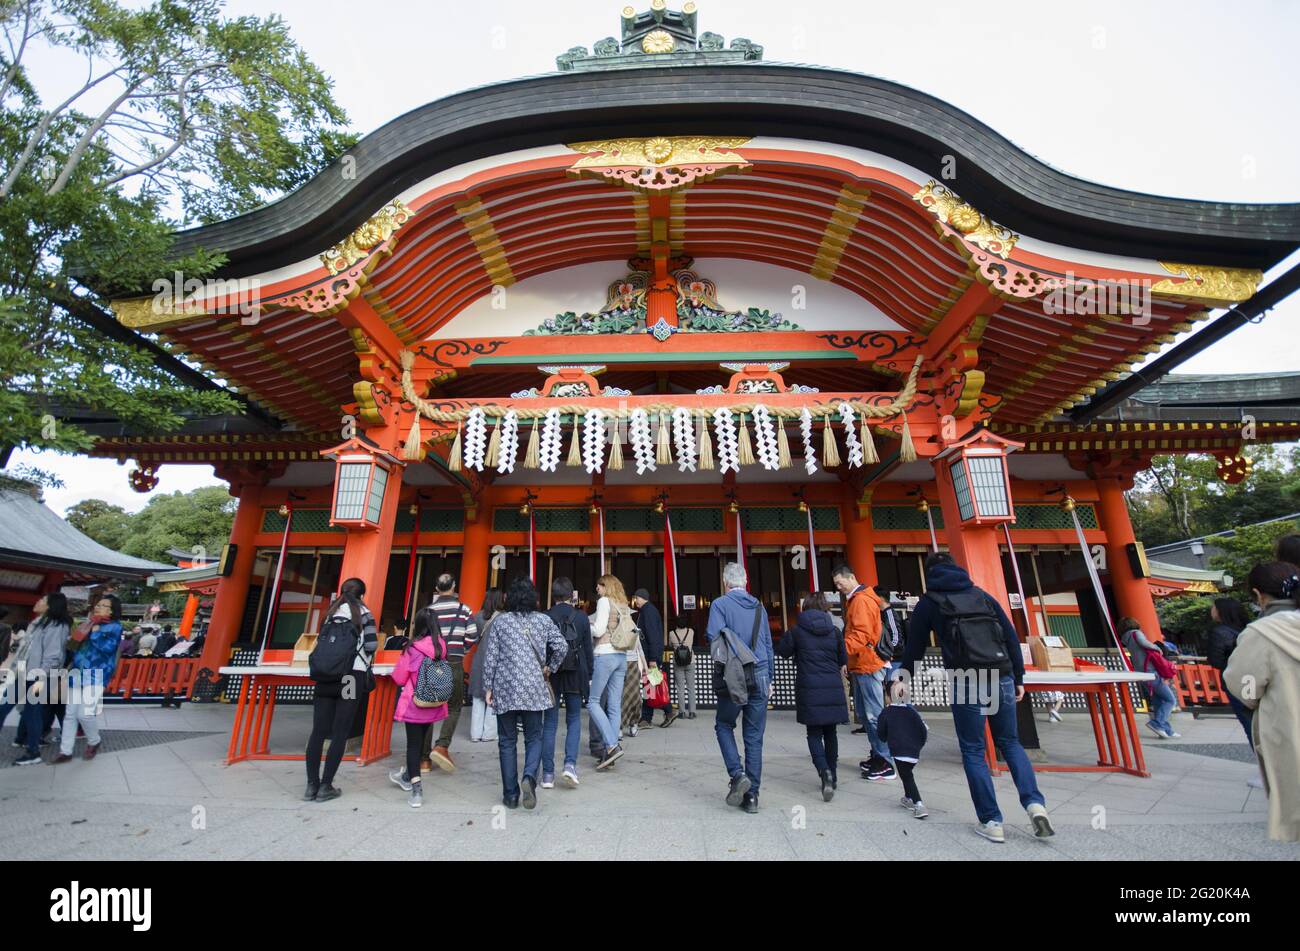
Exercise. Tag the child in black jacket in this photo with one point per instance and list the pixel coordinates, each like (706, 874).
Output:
(902, 728)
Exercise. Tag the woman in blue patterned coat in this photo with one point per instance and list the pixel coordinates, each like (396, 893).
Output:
(516, 682)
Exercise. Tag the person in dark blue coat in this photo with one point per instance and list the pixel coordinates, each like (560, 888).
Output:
(820, 658)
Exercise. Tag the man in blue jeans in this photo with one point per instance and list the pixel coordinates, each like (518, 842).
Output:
(571, 684)
(981, 694)
(738, 610)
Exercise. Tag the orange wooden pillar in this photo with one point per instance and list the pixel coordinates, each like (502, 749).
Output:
(859, 543)
(366, 551)
(974, 547)
(187, 617)
(1132, 594)
(474, 561)
(232, 590)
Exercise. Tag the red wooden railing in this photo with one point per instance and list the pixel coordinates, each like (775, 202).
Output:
(1199, 685)
(154, 676)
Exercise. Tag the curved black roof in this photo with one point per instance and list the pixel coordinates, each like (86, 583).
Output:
(1001, 180)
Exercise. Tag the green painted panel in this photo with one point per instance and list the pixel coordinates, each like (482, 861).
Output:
(546, 520)
(1052, 517)
(1069, 626)
(904, 518)
(304, 520)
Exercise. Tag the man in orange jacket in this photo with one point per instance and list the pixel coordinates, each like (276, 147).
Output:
(862, 624)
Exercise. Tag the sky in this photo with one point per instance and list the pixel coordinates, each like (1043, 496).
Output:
(1187, 99)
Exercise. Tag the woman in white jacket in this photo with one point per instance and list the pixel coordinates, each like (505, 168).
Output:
(609, 666)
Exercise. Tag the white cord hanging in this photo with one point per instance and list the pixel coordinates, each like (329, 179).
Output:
(593, 441)
(549, 450)
(684, 437)
(806, 430)
(643, 447)
(724, 425)
(475, 439)
(765, 448)
(851, 441)
(509, 442)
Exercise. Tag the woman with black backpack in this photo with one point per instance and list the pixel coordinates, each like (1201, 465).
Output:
(682, 641)
(424, 674)
(335, 702)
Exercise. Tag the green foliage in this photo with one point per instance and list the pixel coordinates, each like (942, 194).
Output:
(181, 520)
(1246, 548)
(1180, 497)
(195, 116)
(105, 523)
(1185, 618)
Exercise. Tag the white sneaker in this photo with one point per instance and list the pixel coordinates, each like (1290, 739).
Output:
(1171, 735)
(920, 812)
(991, 830)
(570, 777)
(398, 776)
(1053, 716)
(1160, 734)
(1042, 824)
(634, 729)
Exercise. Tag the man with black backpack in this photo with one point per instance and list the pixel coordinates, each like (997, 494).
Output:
(571, 684)
(981, 654)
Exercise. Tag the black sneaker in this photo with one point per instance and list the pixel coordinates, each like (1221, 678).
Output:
(750, 803)
(610, 758)
(738, 790)
(859, 731)
(528, 789)
(28, 759)
(882, 773)
(828, 786)
(668, 720)
(510, 803)
(327, 792)
(310, 792)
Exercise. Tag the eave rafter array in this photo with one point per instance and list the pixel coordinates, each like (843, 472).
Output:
(912, 249)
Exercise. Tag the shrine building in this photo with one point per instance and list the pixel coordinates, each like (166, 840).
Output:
(674, 296)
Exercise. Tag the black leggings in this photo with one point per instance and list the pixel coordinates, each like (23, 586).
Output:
(416, 734)
(909, 781)
(824, 745)
(330, 717)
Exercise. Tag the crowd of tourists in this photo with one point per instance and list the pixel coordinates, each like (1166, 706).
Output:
(517, 667)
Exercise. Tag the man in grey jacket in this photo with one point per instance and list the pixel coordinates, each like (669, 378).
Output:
(744, 614)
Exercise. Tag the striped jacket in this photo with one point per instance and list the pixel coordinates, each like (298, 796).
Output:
(455, 621)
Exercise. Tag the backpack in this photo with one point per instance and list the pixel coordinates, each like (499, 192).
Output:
(683, 655)
(890, 643)
(569, 631)
(973, 630)
(623, 634)
(733, 663)
(336, 646)
(433, 683)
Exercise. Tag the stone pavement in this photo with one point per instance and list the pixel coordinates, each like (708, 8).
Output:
(169, 795)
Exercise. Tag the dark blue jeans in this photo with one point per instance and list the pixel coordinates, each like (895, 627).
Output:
(572, 731)
(507, 739)
(1244, 716)
(753, 716)
(31, 723)
(969, 719)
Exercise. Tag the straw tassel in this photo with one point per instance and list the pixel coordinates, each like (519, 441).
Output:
(830, 450)
(454, 460)
(663, 450)
(412, 450)
(616, 450)
(494, 448)
(532, 456)
(869, 454)
(575, 450)
(907, 451)
(705, 444)
(783, 460)
(745, 456)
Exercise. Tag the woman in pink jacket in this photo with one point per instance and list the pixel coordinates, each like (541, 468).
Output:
(426, 642)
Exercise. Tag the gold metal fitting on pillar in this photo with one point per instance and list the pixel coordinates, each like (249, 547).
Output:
(527, 507)
(734, 507)
(660, 502)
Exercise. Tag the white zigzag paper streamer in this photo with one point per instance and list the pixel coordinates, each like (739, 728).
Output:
(548, 448)
(765, 447)
(593, 441)
(851, 441)
(684, 437)
(643, 447)
(806, 430)
(509, 442)
(724, 425)
(475, 439)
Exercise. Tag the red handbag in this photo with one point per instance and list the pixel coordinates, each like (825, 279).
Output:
(657, 694)
(1162, 668)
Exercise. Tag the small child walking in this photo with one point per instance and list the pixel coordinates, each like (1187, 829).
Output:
(901, 726)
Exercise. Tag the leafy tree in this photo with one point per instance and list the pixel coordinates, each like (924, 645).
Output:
(185, 520)
(107, 524)
(1185, 619)
(1246, 548)
(185, 115)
